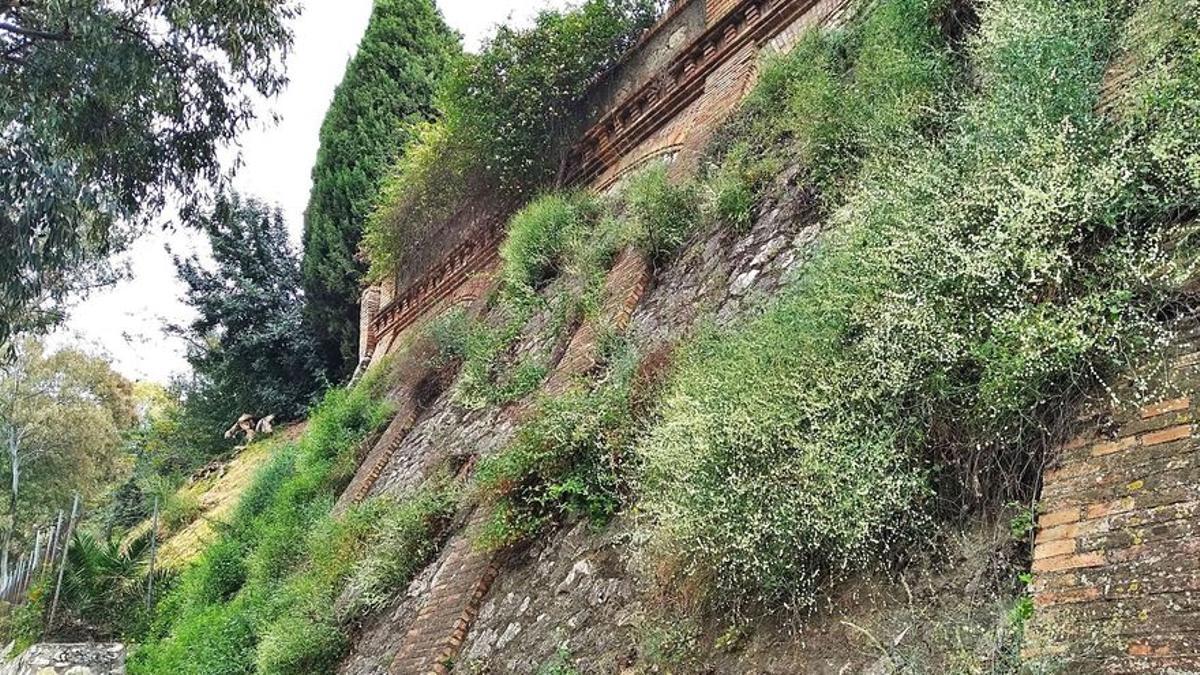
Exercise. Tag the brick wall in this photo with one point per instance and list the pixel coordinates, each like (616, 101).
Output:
(1117, 558)
(716, 9)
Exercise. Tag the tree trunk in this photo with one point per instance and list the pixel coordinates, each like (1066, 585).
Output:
(14, 456)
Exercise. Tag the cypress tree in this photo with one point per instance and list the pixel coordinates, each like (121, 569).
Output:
(388, 86)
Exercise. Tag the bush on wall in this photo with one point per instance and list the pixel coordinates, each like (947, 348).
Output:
(993, 258)
(508, 115)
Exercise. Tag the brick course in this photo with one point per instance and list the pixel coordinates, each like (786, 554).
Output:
(1116, 559)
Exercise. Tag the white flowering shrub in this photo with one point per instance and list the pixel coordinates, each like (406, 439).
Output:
(993, 259)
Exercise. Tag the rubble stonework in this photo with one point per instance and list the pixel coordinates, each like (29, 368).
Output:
(68, 659)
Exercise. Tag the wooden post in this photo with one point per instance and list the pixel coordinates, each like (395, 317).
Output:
(54, 539)
(62, 563)
(153, 552)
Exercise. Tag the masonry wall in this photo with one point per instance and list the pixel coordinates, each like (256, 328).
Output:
(1117, 556)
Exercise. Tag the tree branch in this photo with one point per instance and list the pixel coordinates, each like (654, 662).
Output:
(63, 36)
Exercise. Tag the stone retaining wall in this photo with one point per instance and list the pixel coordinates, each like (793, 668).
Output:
(68, 659)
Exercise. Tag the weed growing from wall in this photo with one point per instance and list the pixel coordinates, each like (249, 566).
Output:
(566, 461)
(998, 252)
(556, 256)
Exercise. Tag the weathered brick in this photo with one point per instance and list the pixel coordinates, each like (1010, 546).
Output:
(1110, 447)
(1054, 548)
(1163, 407)
(1046, 535)
(1068, 562)
(1060, 517)
(1174, 433)
(1066, 597)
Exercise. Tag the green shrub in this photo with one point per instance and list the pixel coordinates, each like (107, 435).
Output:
(180, 508)
(280, 552)
(509, 114)
(405, 537)
(832, 101)
(975, 282)
(661, 213)
(537, 237)
(451, 335)
(564, 460)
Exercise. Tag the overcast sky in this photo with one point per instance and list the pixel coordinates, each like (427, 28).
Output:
(126, 322)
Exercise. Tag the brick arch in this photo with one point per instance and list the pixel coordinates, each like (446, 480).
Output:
(666, 154)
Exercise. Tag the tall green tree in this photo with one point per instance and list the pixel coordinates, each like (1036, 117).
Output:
(249, 345)
(388, 87)
(107, 108)
(62, 418)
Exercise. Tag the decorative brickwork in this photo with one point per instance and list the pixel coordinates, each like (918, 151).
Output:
(623, 289)
(463, 580)
(661, 108)
(466, 262)
(718, 9)
(669, 114)
(1117, 556)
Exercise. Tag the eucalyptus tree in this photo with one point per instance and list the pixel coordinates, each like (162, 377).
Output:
(108, 108)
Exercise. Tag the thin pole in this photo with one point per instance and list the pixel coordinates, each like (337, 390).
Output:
(153, 552)
(62, 563)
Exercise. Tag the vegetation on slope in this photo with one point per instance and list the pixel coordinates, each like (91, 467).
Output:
(988, 266)
(264, 597)
(1000, 243)
(387, 91)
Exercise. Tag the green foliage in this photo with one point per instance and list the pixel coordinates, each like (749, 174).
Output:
(509, 114)
(279, 539)
(1023, 522)
(564, 460)
(104, 590)
(995, 255)
(24, 624)
(517, 100)
(661, 213)
(832, 101)
(574, 238)
(268, 596)
(559, 664)
(62, 417)
(249, 342)
(386, 93)
(538, 236)
(179, 509)
(109, 108)
(405, 537)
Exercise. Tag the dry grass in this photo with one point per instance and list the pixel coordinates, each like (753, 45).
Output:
(218, 497)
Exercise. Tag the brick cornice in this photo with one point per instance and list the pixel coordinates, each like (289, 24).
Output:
(658, 102)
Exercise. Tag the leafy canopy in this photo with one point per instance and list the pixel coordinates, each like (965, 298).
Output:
(249, 342)
(106, 109)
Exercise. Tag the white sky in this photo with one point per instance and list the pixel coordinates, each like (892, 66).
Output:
(126, 321)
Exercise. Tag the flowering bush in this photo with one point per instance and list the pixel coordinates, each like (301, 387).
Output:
(992, 259)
